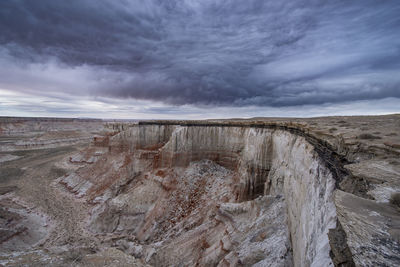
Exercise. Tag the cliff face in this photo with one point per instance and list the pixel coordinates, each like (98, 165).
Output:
(276, 192)
(239, 193)
(263, 163)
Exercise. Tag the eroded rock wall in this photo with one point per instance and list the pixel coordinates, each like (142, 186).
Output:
(308, 186)
(274, 162)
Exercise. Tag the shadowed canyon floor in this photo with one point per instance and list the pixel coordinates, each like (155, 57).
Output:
(256, 192)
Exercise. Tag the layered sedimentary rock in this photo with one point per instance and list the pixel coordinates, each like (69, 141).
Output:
(40, 133)
(265, 165)
(227, 193)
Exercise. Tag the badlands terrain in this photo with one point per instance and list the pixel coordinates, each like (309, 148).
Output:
(254, 192)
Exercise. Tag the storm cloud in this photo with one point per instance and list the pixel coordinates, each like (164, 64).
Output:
(203, 53)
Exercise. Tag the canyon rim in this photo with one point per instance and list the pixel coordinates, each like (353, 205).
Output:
(258, 192)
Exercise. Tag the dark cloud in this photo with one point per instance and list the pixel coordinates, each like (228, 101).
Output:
(233, 53)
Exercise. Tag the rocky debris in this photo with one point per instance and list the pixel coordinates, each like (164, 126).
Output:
(21, 227)
(280, 192)
(186, 192)
(372, 229)
(110, 257)
(79, 256)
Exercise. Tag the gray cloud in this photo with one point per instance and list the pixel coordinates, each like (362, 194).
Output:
(229, 53)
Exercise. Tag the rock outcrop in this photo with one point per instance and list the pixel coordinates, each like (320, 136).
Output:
(40, 133)
(273, 164)
(240, 193)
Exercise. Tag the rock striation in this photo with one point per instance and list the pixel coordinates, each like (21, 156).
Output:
(270, 192)
(275, 164)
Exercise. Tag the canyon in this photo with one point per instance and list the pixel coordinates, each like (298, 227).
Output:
(240, 192)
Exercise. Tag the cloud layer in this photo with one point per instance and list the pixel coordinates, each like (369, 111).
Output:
(203, 53)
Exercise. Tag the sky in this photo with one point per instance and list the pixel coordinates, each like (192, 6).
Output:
(198, 59)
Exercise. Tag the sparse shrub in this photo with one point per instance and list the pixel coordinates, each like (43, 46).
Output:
(333, 129)
(392, 134)
(395, 199)
(368, 136)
